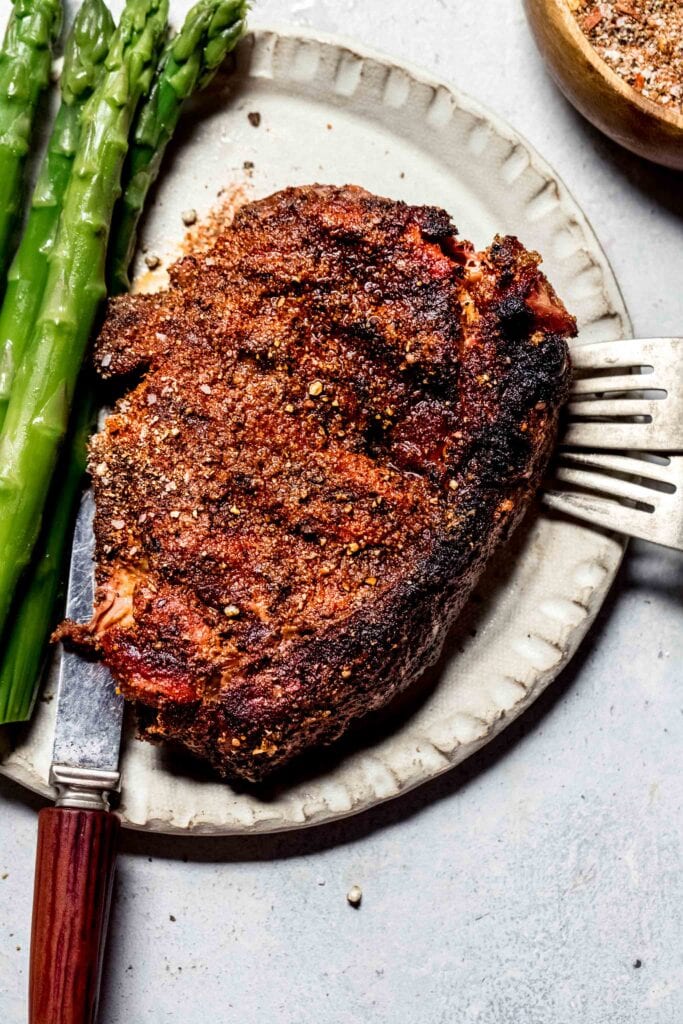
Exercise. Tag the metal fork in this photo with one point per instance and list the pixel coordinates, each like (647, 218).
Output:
(627, 395)
(641, 496)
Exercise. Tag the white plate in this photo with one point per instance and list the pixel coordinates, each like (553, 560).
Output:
(331, 111)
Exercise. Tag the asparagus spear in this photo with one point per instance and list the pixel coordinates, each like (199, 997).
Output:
(86, 49)
(33, 613)
(24, 74)
(33, 609)
(38, 411)
(212, 28)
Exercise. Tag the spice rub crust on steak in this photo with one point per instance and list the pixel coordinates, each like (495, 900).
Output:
(341, 409)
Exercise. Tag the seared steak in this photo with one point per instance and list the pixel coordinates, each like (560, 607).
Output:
(340, 410)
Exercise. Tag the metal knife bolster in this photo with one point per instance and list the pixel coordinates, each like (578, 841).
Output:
(85, 757)
(87, 789)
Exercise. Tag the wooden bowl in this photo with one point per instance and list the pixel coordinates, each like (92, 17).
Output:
(641, 125)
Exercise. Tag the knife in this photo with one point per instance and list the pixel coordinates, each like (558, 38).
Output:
(78, 837)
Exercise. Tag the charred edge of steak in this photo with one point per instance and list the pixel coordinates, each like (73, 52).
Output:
(342, 410)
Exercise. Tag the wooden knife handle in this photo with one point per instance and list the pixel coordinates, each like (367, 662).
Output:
(74, 875)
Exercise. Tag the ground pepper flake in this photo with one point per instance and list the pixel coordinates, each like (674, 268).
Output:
(641, 40)
(592, 19)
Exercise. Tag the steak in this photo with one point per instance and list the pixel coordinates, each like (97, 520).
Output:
(335, 414)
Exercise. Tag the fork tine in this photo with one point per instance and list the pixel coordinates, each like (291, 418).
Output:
(630, 382)
(613, 516)
(623, 464)
(603, 355)
(662, 435)
(611, 485)
(616, 407)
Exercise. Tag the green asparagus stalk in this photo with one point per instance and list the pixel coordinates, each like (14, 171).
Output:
(33, 614)
(190, 60)
(38, 412)
(86, 49)
(34, 611)
(25, 60)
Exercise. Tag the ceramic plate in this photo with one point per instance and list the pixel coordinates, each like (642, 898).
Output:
(301, 108)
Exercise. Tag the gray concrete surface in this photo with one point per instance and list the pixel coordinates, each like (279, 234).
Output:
(541, 882)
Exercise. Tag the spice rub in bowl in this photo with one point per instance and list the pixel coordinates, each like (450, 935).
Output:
(619, 64)
(642, 40)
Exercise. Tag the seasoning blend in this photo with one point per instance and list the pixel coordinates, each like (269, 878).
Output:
(620, 62)
(642, 40)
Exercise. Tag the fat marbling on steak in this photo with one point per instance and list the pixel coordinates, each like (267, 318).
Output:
(335, 415)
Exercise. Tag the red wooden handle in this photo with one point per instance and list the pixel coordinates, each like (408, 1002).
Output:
(74, 874)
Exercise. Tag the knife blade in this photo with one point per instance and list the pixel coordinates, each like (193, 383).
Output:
(85, 757)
